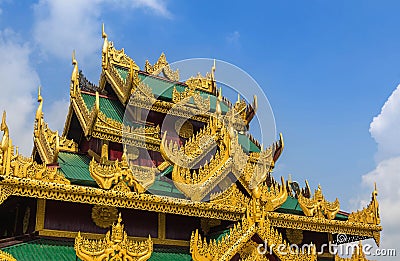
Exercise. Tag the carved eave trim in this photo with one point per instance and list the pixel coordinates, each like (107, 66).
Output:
(95, 124)
(324, 225)
(6, 256)
(81, 194)
(112, 57)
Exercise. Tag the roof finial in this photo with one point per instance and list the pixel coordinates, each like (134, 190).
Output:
(103, 33)
(39, 111)
(74, 76)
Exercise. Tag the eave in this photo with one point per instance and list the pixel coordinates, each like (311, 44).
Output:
(81, 194)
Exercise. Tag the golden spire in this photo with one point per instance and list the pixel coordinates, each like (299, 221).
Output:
(74, 76)
(39, 111)
(104, 51)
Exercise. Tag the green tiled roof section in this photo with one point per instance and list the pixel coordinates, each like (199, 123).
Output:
(113, 109)
(75, 167)
(43, 250)
(169, 255)
(57, 250)
(160, 87)
(218, 236)
(292, 206)
(122, 72)
(164, 188)
(247, 144)
(163, 89)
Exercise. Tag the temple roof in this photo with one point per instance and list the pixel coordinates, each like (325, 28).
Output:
(55, 250)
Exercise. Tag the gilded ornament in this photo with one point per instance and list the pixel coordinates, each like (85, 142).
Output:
(162, 66)
(295, 236)
(184, 128)
(115, 246)
(4, 256)
(110, 173)
(239, 239)
(318, 206)
(104, 216)
(370, 214)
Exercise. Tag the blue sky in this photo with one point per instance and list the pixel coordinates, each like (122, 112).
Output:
(327, 67)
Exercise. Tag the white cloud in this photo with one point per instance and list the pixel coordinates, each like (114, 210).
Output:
(56, 114)
(62, 26)
(18, 81)
(385, 129)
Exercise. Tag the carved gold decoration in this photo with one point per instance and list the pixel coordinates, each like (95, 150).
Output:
(370, 214)
(199, 145)
(206, 84)
(255, 222)
(5, 192)
(115, 246)
(4, 256)
(162, 66)
(295, 236)
(14, 164)
(196, 184)
(232, 196)
(140, 178)
(104, 216)
(112, 61)
(132, 200)
(318, 206)
(6, 147)
(94, 123)
(184, 128)
(358, 255)
(47, 142)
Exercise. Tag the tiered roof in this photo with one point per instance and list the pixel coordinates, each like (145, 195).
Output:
(62, 168)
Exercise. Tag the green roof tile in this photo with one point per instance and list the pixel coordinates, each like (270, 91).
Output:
(75, 167)
(58, 250)
(247, 144)
(43, 250)
(122, 72)
(165, 188)
(113, 109)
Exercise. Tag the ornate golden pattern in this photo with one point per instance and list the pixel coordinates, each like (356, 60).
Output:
(115, 246)
(5, 192)
(4, 256)
(184, 128)
(318, 206)
(162, 66)
(47, 142)
(106, 175)
(358, 255)
(94, 123)
(255, 222)
(232, 196)
(104, 216)
(370, 214)
(113, 59)
(133, 200)
(6, 147)
(194, 150)
(295, 236)
(199, 82)
(16, 165)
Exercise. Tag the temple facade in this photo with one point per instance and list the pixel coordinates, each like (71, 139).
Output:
(149, 167)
